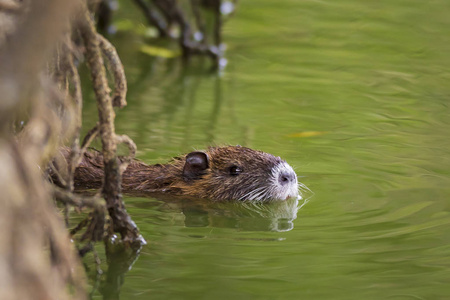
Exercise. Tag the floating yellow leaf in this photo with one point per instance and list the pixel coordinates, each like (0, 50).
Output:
(306, 134)
(157, 51)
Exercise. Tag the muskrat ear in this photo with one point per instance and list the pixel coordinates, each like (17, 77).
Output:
(196, 163)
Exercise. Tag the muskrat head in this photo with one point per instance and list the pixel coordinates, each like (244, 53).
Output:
(238, 173)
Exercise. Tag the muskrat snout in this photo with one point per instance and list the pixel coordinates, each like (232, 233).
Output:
(284, 181)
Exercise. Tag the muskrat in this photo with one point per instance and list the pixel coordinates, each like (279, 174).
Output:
(219, 173)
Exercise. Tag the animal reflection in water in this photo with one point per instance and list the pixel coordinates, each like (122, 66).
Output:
(246, 216)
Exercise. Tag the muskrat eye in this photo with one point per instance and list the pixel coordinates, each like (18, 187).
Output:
(235, 170)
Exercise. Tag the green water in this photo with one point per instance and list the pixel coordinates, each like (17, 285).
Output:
(354, 95)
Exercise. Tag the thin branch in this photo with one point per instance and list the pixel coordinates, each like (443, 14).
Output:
(55, 171)
(120, 82)
(165, 7)
(87, 248)
(74, 77)
(80, 226)
(96, 227)
(90, 136)
(67, 197)
(132, 151)
(199, 20)
(218, 23)
(153, 18)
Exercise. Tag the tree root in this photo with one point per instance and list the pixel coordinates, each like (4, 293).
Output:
(165, 13)
(120, 220)
(38, 258)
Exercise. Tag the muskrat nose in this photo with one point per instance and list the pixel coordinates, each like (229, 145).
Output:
(286, 177)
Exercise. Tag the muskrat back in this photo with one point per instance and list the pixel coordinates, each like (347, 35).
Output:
(219, 173)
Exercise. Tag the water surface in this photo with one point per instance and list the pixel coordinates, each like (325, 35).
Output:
(355, 96)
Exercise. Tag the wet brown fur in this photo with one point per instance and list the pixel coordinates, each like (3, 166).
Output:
(215, 182)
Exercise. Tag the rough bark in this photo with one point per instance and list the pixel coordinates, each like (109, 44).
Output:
(37, 258)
